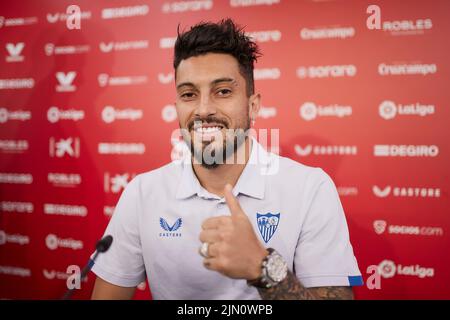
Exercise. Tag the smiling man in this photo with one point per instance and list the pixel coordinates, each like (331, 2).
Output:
(230, 220)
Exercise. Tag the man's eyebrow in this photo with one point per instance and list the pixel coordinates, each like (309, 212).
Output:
(183, 84)
(213, 83)
(231, 80)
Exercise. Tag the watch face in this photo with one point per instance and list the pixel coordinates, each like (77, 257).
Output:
(276, 268)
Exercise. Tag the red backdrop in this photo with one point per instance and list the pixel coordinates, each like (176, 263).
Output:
(370, 106)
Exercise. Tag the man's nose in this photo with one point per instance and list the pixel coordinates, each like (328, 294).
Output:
(205, 107)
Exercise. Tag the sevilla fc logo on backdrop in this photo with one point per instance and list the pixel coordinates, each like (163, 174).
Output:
(267, 224)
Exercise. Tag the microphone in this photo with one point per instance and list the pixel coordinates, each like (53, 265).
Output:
(101, 247)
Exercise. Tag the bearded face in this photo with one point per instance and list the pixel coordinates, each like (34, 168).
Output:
(213, 107)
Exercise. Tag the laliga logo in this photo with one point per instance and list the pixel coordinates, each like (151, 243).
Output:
(53, 114)
(108, 114)
(3, 115)
(169, 113)
(308, 111)
(387, 269)
(51, 241)
(2, 237)
(379, 226)
(387, 110)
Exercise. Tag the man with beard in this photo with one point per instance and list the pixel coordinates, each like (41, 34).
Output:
(231, 220)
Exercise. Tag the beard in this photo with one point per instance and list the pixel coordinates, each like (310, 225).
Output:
(222, 147)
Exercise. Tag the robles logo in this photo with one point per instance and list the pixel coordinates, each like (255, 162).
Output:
(396, 27)
(14, 146)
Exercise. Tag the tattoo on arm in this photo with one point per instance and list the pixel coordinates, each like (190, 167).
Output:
(291, 289)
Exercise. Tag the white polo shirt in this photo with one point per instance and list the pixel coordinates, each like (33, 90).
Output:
(294, 209)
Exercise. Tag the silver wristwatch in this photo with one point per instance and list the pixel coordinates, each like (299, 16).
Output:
(273, 270)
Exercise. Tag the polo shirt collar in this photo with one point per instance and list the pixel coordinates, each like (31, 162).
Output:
(251, 181)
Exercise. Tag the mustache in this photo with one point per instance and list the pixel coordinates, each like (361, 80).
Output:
(210, 119)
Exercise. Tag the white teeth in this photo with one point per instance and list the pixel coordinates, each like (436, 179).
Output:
(207, 129)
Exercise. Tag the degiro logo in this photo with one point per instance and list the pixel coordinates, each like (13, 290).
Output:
(388, 269)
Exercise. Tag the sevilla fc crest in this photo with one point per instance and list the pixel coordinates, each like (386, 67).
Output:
(267, 224)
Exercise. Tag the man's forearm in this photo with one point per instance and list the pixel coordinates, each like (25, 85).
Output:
(292, 289)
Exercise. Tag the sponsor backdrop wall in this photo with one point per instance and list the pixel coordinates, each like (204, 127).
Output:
(360, 91)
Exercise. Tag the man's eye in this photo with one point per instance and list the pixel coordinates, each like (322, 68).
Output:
(187, 95)
(223, 92)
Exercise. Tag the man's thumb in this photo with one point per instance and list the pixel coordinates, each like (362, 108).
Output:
(232, 202)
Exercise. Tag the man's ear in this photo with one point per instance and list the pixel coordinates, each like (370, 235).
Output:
(254, 103)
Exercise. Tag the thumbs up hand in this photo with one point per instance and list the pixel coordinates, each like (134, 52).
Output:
(233, 248)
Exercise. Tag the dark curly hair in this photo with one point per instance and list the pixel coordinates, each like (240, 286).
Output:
(222, 37)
